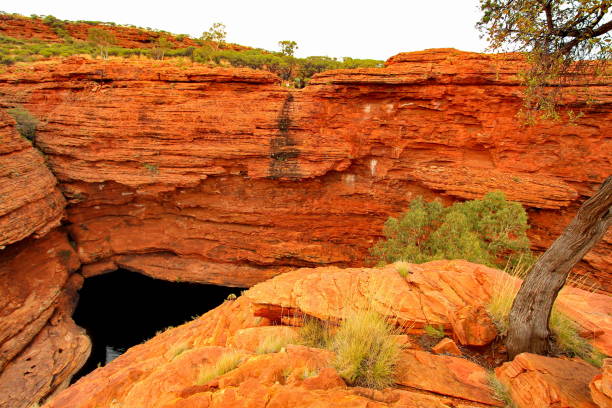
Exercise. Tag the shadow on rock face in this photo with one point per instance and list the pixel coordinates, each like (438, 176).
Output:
(122, 309)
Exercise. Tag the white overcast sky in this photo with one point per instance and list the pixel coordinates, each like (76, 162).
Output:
(361, 29)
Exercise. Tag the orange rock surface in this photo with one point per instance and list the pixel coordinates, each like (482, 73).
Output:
(168, 370)
(601, 386)
(221, 176)
(446, 346)
(30, 202)
(472, 326)
(537, 381)
(40, 346)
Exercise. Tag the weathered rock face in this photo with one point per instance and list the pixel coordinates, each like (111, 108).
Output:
(40, 346)
(601, 386)
(537, 381)
(167, 370)
(30, 202)
(222, 176)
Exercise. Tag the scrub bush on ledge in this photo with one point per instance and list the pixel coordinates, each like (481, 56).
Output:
(490, 231)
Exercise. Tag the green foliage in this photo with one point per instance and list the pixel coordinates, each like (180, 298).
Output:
(59, 26)
(212, 50)
(101, 39)
(226, 363)
(402, 268)
(434, 332)
(161, 47)
(366, 351)
(216, 33)
(567, 338)
(288, 47)
(26, 122)
(151, 168)
(489, 231)
(556, 35)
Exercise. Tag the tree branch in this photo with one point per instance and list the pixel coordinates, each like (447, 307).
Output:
(567, 48)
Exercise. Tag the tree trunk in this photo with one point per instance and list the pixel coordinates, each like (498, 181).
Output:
(528, 321)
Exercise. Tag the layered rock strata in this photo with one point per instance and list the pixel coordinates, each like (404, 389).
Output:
(221, 176)
(30, 202)
(40, 346)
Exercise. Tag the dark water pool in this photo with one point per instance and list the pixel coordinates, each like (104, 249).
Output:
(121, 309)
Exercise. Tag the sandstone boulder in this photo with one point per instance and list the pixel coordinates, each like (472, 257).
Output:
(446, 346)
(601, 386)
(472, 326)
(538, 381)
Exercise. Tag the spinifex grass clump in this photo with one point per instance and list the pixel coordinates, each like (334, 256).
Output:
(490, 231)
(274, 344)
(366, 351)
(226, 363)
(315, 333)
(500, 391)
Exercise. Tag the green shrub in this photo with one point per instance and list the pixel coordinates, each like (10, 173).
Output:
(366, 351)
(59, 26)
(434, 332)
(489, 231)
(26, 122)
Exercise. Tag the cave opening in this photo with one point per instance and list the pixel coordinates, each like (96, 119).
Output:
(121, 309)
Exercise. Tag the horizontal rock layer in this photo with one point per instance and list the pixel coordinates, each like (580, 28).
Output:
(222, 169)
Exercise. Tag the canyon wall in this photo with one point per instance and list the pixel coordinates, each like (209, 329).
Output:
(222, 176)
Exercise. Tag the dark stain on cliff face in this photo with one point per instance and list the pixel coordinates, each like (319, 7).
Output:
(283, 150)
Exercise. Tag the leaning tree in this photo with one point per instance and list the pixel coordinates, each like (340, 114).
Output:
(558, 37)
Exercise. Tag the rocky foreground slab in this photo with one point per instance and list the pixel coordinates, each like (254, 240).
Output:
(166, 371)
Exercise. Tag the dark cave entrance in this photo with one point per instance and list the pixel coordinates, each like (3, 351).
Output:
(122, 308)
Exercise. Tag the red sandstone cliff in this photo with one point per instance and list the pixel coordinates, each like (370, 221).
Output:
(222, 176)
(26, 28)
(30, 203)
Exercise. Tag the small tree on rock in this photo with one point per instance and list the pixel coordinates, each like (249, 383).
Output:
(215, 34)
(101, 39)
(557, 37)
(555, 34)
(288, 47)
(161, 46)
